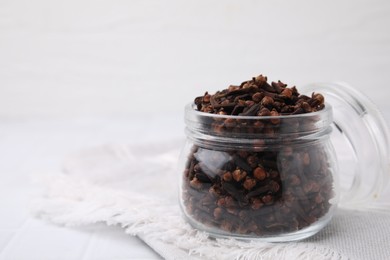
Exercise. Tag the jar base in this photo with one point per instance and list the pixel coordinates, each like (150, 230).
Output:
(287, 237)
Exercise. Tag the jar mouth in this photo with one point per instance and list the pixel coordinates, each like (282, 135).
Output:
(190, 108)
(201, 125)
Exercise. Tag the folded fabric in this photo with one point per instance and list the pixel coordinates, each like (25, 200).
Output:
(135, 187)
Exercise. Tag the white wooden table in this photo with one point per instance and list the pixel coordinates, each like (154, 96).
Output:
(34, 147)
(38, 146)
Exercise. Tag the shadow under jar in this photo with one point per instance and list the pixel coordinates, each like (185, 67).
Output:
(270, 178)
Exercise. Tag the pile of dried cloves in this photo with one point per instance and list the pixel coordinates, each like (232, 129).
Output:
(257, 97)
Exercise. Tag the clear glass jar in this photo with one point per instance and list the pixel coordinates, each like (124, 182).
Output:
(268, 178)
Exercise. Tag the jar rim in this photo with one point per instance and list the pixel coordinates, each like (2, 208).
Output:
(190, 108)
(228, 129)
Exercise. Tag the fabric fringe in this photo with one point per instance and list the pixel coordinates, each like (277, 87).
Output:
(71, 202)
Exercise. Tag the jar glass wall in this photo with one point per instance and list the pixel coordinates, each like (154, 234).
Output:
(267, 178)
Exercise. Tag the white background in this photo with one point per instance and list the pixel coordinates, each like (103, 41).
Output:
(75, 74)
(103, 58)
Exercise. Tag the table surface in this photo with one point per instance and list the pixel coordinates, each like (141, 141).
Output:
(30, 147)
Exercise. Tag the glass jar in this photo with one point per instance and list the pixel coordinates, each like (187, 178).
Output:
(271, 178)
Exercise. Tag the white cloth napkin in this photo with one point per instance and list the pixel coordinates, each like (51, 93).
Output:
(136, 187)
